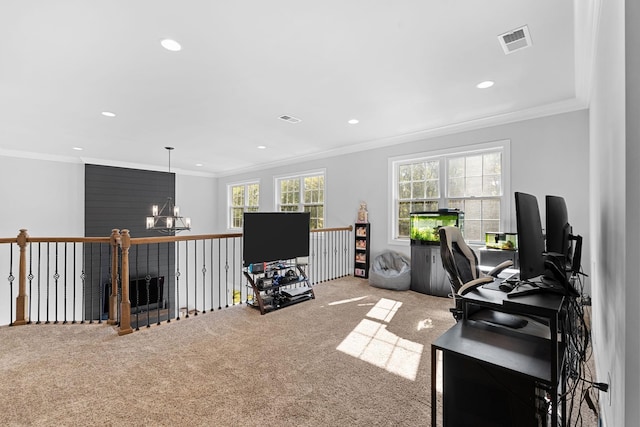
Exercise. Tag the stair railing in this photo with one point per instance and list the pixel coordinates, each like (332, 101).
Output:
(78, 279)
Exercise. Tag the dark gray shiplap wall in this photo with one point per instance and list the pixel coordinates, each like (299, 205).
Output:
(122, 198)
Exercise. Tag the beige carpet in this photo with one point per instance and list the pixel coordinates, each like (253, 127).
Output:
(354, 356)
(228, 367)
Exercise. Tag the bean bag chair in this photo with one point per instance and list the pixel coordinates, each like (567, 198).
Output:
(390, 270)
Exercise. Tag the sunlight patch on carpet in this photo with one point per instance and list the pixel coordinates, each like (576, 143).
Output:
(384, 309)
(425, 324)
(346, 301)
(371, 342)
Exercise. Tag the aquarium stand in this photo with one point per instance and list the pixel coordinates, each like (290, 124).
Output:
(428, 275)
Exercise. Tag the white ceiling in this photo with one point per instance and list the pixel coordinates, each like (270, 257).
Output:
(405, 69)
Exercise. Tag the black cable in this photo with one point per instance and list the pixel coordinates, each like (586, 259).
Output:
(577, 355)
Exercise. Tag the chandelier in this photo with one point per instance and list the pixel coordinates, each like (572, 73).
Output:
(167, 219)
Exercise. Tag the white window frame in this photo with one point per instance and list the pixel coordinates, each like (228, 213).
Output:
(301, 176)
(395, 162)
(230, 186)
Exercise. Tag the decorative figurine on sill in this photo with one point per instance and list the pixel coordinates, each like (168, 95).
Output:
(363, 215)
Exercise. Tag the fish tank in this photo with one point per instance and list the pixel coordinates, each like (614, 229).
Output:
(504, 241)
(425, 225)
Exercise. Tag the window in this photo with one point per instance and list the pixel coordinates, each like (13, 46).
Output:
(472, 181)
(418, 190)
(303, 193)
(242, 198)
(475, 187)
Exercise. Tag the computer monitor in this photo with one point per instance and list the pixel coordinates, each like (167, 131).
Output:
(531, 246)
(576, 262)
(563, 247)
(558, 230)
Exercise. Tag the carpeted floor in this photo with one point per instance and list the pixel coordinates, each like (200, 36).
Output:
(354, 356)
(228, 367)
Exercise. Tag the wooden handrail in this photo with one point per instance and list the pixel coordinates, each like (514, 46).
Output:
(164, 239)
(145, 240)
(69, 239)
(322, 230)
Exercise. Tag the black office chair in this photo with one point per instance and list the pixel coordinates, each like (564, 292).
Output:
(461, 265)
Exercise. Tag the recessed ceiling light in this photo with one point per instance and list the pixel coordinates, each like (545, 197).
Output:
(262, 147)
(353, 121)
(78, 148)
(108, 114)
(484, 85)
(171, 45)
(199, 164)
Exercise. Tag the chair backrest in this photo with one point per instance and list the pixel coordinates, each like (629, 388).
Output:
(459, 260)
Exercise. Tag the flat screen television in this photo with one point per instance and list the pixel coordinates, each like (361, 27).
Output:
(275, 236)
(558, 229)
(531, 245)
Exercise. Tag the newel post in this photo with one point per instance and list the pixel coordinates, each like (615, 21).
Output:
(22, 317)
(125, 304)
(113, 297)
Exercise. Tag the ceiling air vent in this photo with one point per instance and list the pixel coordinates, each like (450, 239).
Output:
(515, 40)
(290, 119)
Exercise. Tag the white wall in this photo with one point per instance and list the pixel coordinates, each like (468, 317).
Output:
(548, 156)
(608, 190)
(197, 198)
(615, 196)
(46, 197)
(632, 225)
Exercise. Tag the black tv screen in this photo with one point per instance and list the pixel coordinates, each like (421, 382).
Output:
(531, 246)
(275, 236)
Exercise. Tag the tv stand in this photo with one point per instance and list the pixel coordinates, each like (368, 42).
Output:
(277, 285)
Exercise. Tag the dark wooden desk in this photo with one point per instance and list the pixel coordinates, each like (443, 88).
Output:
(530, 357)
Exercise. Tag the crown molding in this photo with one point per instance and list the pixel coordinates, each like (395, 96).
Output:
(99, 162)
(39, 156)
(561, 107)
(143, 166)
